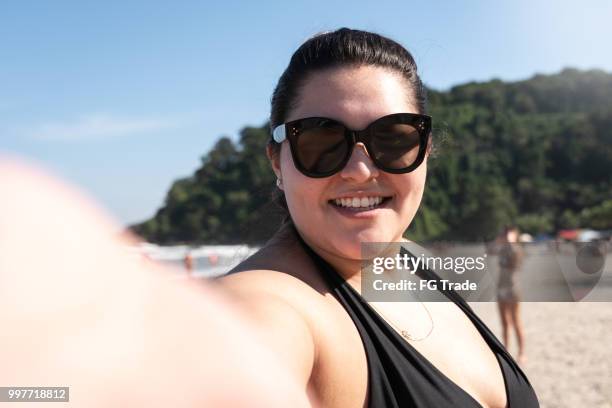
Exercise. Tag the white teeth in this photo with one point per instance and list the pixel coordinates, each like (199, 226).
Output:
(357, 202)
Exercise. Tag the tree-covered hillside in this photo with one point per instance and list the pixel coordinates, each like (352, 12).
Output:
(535, 152)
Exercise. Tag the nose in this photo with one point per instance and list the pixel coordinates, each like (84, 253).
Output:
(360, 167)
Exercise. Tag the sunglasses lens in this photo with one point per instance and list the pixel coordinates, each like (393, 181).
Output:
(395, 146)
(322, 147)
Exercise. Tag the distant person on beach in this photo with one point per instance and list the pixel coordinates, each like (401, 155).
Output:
(510, 254)
(188, 262)
(213, 259)
(350, 141)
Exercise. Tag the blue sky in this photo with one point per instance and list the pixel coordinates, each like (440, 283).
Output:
(123, 97)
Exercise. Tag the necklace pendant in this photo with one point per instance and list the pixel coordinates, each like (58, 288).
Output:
(406, 335)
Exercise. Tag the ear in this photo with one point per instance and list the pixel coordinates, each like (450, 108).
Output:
(430, 146)
(274, 157)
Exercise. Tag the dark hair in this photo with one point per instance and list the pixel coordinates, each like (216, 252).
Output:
(340, 48)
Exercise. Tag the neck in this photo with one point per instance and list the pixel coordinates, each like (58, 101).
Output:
(349, 269)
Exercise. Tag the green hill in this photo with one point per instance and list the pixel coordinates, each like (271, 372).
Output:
(536, 152)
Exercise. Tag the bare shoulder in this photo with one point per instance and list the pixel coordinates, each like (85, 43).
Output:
(267, 281)
(281, 269)
(283, 292)
(271, 297)
(276, 303)
(270, 290)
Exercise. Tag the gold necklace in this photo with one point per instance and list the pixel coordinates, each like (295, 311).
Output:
(404, 333)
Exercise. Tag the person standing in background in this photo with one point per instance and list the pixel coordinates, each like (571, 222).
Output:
(188, 261)
(508, 297)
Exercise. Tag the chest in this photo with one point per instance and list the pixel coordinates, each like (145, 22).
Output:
(458, 351)
(454, 349)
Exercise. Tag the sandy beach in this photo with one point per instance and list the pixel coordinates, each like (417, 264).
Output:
(568, 349)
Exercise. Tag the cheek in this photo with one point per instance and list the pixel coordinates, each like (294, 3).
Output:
(411, 188)
(290, 175)
(302, 193)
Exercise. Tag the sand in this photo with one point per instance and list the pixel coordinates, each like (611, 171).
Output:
(569, 350)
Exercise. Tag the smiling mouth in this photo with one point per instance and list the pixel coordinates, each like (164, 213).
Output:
(360, 203)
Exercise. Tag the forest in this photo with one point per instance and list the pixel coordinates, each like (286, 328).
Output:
(536, 153)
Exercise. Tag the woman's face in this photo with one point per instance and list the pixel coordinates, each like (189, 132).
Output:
(512, 235)
(355, 96)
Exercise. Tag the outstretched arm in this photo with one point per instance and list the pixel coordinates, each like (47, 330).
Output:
(77, 310)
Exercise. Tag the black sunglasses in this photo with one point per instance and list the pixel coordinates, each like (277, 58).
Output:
(320, 147)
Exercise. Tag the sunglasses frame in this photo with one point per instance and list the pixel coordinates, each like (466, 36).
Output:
(291, 132)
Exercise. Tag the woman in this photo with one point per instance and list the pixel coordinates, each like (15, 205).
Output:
(342, 188)
(508, 299)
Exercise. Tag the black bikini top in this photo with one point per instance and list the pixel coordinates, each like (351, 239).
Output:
(398, 375)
